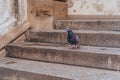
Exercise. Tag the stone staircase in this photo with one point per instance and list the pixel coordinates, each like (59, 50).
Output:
(45, 55)
(87, 24)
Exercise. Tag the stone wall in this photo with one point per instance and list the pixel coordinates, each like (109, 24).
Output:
(7, 16)
(12, 13)
(94, 7)
(42, 13)
(22, 11)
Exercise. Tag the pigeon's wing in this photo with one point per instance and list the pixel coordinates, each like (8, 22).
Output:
(77, 38)
(73, 37)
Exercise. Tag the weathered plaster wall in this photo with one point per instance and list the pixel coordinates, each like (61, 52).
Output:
(42, 13)
(12, 13)
(94, 7)
(22, 11)
(7, 17)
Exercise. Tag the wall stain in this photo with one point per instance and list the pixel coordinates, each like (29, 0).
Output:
(94, 7)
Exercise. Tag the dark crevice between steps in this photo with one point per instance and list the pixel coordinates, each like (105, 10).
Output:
(61, 0)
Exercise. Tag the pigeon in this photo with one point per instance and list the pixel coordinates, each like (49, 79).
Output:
(72, 38)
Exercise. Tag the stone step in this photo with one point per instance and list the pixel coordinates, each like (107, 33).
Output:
(88, 24)
(87, 37)
(18, 69)
(99, 57)
(93, 17)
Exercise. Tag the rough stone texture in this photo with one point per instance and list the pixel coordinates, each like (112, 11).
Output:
(87, 37)
(99, 57)
(2, 53)
(13, 34)
(60, 10)
(88, 24)
(19, 39)
(17, 69)
(42, 13)
(13, 74)
(94, 17)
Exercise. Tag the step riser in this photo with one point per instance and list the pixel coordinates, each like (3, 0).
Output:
(88, 25)
(88, 39)
(106, 61)
(10, 74)
(34, 70)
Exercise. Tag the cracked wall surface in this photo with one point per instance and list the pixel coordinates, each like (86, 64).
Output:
(94, 7)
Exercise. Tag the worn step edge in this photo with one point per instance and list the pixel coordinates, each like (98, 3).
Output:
(87, 37)
(102, 20)
(88, 24)
(99, 57)
(14, 69)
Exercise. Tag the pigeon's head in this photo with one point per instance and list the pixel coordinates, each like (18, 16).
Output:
(68, 29)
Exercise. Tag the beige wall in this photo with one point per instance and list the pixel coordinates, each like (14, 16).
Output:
(42, 13)
(8, 16)
(22, 15)
(94, 7)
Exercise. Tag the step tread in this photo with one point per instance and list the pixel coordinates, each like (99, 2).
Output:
(79, 31)
(91, 56)
(87, 37)
(91, 20)
(105, 25)
(84, 49)
(58, 70)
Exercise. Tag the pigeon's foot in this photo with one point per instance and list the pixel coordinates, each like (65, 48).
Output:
(70, 46)
(77, 47)
(74, 46)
